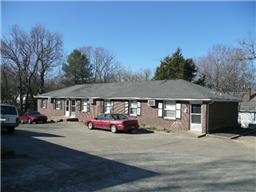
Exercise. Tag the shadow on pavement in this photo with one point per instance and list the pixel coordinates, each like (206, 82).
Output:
(142, 131)
(231, 132)
(45, 166)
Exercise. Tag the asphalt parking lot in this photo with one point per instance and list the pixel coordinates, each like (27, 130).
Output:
(67, 157)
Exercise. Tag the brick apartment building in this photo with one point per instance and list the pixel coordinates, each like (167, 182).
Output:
(172, 104)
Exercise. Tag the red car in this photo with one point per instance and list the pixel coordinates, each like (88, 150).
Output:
(113, 122)
(33, 117)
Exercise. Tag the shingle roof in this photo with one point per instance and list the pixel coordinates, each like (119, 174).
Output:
(164, 89)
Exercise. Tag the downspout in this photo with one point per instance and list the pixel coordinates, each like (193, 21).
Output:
(207, 111)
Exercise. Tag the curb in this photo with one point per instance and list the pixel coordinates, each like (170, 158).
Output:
(202, 135)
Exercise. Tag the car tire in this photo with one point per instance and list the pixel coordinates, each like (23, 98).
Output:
(10, 130)
(113, 129)
(29, 121)
(90, 125)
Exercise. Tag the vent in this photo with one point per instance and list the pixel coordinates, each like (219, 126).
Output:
(152, 103)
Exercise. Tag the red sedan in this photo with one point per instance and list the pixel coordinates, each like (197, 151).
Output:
(33, 117)
(113, 122)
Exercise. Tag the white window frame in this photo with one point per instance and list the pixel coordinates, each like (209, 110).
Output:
(44, 103)
(58, 104)
(85, 106)
(108, 106)
(169, 106)
(133, 105)
(129, 105)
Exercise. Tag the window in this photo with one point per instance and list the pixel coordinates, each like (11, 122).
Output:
(85, 106)
(169, 110)
(109, 117)
(133, 108)
(100, 117)
(58, 104)
(44, 103)
(196, 113)
(108, 106)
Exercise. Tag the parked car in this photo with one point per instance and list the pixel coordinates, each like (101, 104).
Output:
(9, 117)
(33, 117)
(113, 122)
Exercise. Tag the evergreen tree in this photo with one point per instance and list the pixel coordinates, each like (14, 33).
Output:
(77, 70)
(176, 67)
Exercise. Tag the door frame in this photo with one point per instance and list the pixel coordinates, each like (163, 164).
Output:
(196, 126)
(70, 108)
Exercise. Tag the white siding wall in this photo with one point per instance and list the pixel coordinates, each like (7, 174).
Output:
(246, 118)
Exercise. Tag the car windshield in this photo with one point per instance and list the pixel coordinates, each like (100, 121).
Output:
(33, 113)
(8, 110)
(119, 116)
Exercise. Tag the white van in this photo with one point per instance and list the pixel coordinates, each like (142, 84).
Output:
(9, 117)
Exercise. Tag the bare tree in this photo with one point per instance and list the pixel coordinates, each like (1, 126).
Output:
(9, 92)
(18, 54)
(104, 65)
(47, 47)
(29, 55)
(248, 47)
(225, 71)
(129, 75)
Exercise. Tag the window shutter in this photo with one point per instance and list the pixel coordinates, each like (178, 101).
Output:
(160, 109)
(55, 103)
(60, 104)
(112, 106)
(178, 110)
(126, 107)
(101, 106)
(88, 106)
(138, 108)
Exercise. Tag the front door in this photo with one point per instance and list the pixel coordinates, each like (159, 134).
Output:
(70, 108)
(195, 118)
(67, 107)
(73, 108)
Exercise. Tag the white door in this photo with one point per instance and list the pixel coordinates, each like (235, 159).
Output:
(70, 108)
(67, 112)
(195, 117)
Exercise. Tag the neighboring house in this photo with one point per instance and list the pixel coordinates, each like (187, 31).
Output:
(171, 104)
(247, 109)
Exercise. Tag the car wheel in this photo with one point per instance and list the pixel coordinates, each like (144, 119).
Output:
(90, 125)
(29, 121)
(113, 129)
(10, 130)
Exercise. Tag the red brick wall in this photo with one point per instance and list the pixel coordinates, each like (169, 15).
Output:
(204, 117)
(148, 117)
(50, 111)
(223, 114)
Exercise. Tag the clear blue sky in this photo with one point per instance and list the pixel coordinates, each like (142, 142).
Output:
(139, 34)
